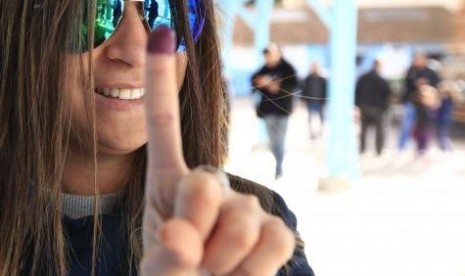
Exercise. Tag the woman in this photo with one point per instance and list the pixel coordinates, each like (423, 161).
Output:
(426, 103)
(79, 194)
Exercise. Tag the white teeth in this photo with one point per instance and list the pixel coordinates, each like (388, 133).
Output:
(114, 92)
(135, 94)
(122, 93)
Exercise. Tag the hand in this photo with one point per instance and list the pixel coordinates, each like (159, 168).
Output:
(192, 224)
(262, 81)
(274, 87)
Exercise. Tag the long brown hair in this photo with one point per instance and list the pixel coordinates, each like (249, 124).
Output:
(35, 128)
(34, 132)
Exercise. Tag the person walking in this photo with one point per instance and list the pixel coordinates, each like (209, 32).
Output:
(449, 94)
(275, 81)
(427, 103)
(419, 70)
(314, 93)
(372, 97)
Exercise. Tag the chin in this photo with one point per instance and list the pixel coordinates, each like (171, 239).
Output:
(120, 133)
(117, 149)
(114, 144)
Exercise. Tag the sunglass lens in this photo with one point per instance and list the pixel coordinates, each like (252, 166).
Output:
(157, 13)
(107, 17)
(108, 14)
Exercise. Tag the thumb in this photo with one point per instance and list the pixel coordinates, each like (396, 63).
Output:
(178, 252)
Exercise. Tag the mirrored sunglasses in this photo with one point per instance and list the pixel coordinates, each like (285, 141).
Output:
(155, 13)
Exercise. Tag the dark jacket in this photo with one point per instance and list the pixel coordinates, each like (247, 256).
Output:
(372, 90)
(314, 89)
(281, 103)
(112, 254)
(413, 75)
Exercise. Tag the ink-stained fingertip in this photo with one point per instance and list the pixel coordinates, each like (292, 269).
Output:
(162, 41)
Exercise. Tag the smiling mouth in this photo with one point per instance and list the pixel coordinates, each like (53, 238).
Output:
(122, 93)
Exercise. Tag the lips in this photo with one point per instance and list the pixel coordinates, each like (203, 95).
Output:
(127, 94)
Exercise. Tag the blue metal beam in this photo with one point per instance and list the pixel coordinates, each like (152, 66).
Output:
(229, 10)
(248, 16)
(258, 21)
(322, 10)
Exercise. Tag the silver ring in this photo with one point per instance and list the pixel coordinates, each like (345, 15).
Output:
(219, 173)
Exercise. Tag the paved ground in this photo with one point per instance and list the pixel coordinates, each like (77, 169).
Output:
(405, 217)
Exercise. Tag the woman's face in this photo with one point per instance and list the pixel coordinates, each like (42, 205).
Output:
(119, 83)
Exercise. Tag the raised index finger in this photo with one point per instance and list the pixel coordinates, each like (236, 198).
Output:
(162, 107)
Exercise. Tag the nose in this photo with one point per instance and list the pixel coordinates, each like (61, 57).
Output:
(128, 44)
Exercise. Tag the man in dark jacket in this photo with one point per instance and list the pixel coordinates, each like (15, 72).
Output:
(314, 93)
(372, 96)
(276, 82)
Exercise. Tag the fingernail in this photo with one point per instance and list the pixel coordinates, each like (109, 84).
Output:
(161, 41)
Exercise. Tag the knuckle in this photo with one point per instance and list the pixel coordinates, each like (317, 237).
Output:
(276, 223)
(242, 240)
(285, 244)
(203, 185)
(159, 119)
(250, 202)
(205, 179)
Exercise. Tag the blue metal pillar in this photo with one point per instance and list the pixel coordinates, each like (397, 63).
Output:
(229, 10)
(263, 12)
(342, 151)
(341, 21)
(323, 12)
(264, 8)
(259, 22)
